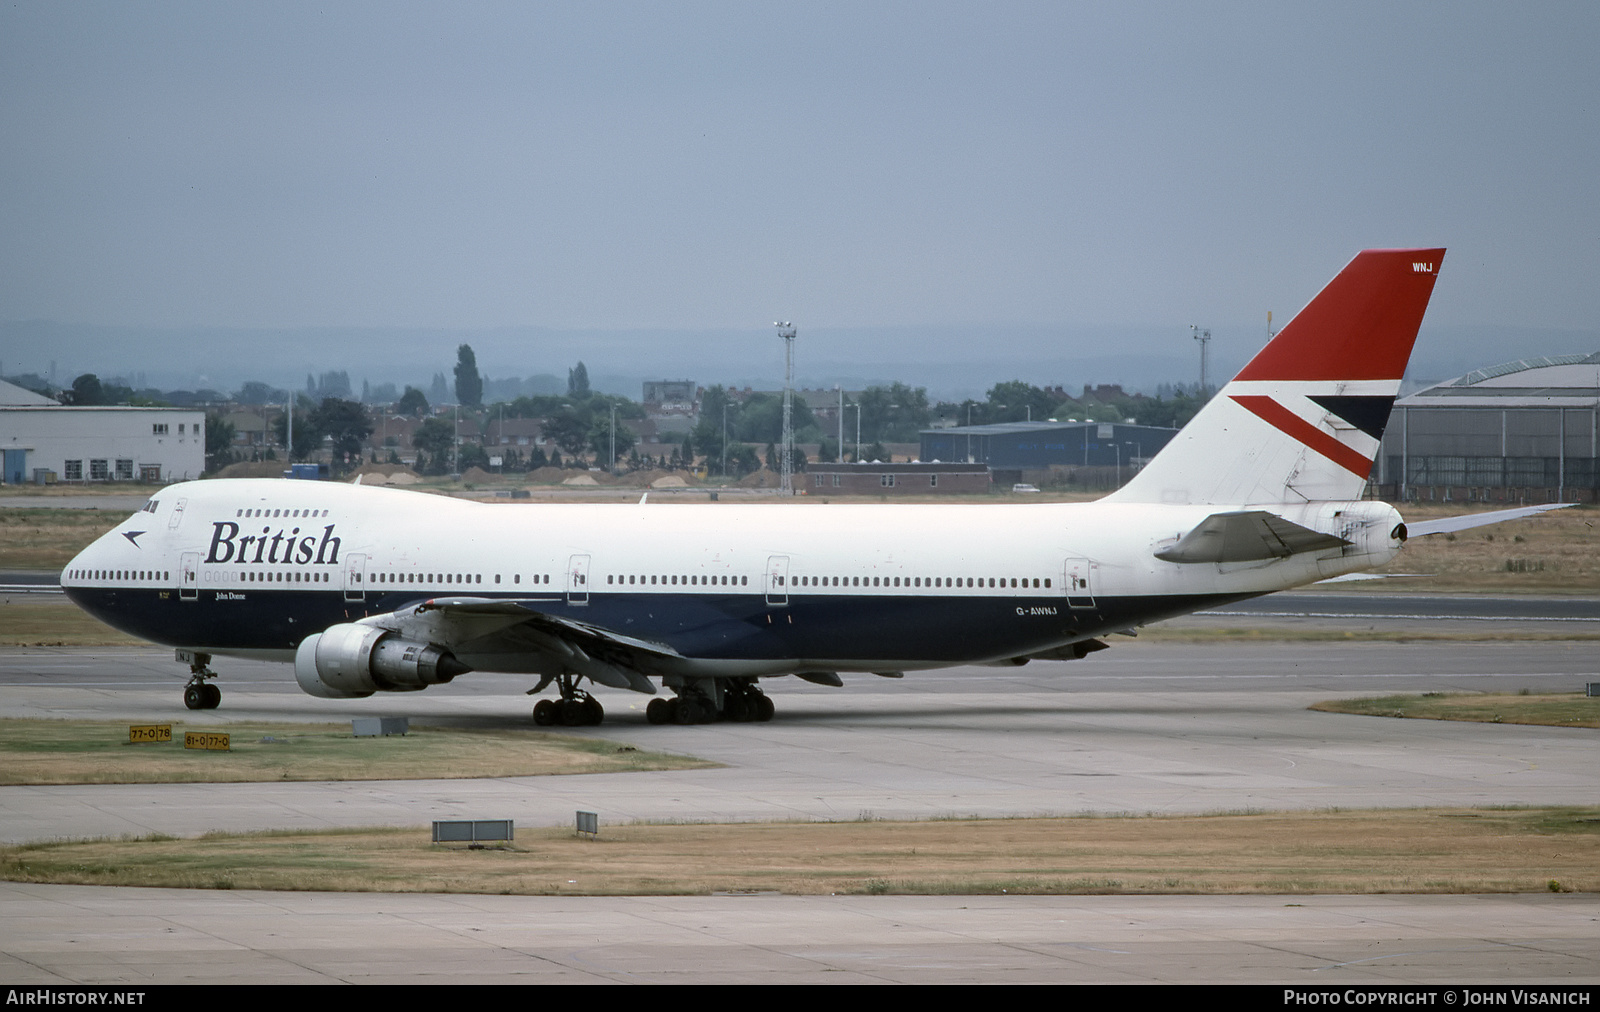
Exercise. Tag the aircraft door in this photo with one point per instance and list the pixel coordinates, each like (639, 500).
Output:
(578, 580)
(177, 515)
(1079, 583)
(355, 577)
(189, 577)
(778, 581)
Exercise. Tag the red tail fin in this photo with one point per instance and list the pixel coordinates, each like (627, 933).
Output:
(1361, 326)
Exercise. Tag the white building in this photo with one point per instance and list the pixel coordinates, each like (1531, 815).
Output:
(94, 444)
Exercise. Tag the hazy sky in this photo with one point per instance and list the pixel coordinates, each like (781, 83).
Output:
(843, 165)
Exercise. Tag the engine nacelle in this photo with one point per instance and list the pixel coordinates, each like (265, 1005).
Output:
(351, 661)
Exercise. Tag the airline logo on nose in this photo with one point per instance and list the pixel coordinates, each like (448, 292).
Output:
(133, 537)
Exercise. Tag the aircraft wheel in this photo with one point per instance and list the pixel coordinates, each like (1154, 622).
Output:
(194, 697)
(691, 711)
(593, 712)
(544, 712)
(573, 712)
(736, 708)
(213, 696)
(659, 711)
(764, 708)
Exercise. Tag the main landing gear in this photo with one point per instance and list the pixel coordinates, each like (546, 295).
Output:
(575, 708)
(199, 694)
(697, 703)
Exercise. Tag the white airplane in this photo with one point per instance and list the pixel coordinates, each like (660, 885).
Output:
(369, 590)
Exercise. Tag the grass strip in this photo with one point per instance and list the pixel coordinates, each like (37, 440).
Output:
(1348, 852)
(1564, 709)
(97, 752)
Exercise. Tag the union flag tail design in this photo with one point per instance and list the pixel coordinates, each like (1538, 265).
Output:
(1302, 422)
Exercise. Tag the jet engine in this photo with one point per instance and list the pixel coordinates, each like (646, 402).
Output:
(350, 661)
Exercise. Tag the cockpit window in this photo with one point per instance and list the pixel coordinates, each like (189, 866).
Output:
(150, 507)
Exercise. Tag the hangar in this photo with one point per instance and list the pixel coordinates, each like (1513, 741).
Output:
(1522, 431)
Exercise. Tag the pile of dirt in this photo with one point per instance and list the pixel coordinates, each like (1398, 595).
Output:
(254, 469)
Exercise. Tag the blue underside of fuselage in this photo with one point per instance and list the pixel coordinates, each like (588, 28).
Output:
(733, 627)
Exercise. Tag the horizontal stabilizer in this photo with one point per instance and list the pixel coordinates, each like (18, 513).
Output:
(1247, 536)
(1467, 521)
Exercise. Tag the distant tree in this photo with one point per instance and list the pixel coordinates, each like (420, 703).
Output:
(469, 385)
(742, 460)
(473, 455)
(434, 437)
(346, 424)
(1016, 401)
(578, 381)
(256, 392)
(219, 442)
(306, 436)
(86, 390)
(413, 403)
(760, 419)
(895, 413)
(600, 437)
(569, 428)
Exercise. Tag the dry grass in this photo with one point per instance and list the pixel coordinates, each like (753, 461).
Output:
(1567, 709)
(1416, 851)
(92, 752)
(1557, 553)
(47, 539)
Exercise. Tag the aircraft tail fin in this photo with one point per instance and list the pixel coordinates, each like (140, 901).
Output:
(1303, 420)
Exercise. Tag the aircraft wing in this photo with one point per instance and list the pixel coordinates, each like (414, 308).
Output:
(1467, 521)
(1247, 536)
(490, 625)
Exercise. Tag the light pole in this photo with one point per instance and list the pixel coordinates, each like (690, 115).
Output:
(840, 389)
(858, 433)
(787, 331)
(1204, 337)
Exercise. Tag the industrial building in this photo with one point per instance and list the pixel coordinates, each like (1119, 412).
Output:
(880, 478)
(1525, 431)
(46, 442)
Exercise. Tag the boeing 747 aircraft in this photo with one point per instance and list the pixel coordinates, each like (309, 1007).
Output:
(375, 590)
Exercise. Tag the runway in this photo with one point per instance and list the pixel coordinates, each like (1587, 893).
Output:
(1145, 727)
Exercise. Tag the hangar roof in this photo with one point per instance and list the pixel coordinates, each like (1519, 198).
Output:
(1544, 382)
